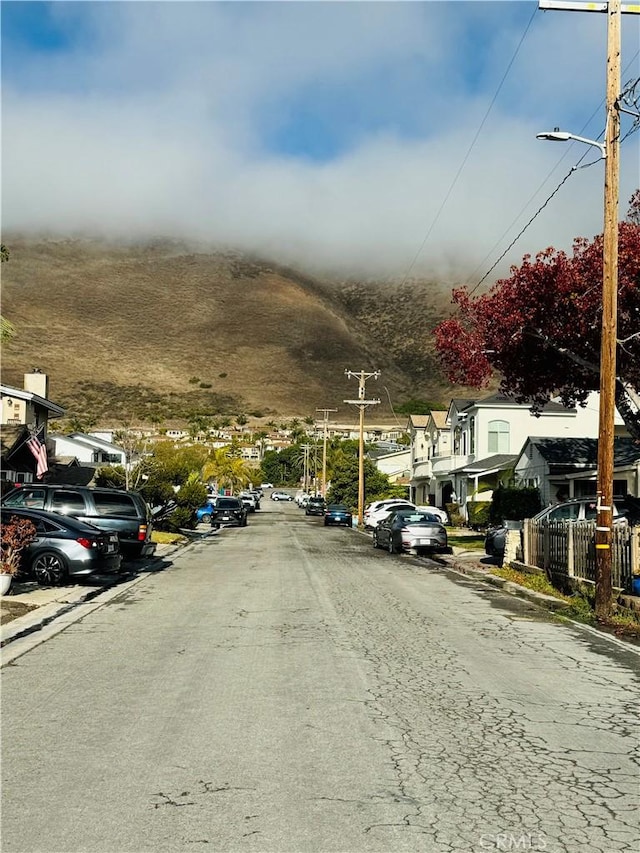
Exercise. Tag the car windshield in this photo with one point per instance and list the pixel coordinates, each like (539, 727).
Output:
(338, 508)
(228, 503)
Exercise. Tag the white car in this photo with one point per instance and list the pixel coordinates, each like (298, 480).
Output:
(266, 485)
(280, 496)
(380, 509)
(248, 500)
(435, 510)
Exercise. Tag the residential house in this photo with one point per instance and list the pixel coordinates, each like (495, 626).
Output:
(466, 455)
(89, 449)
(24, 412)
(430, 437)
(396, 465)
(563, 468)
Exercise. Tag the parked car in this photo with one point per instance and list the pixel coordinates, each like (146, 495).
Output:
(374, 516)
(337, 514)
(410, 530)
(257, 493)
(266, 485)
(315, 506)
(249, 501)
(109, 509)
(575, 509)
(230, 512)
(280, 496)
(441, 514)
(203, 513)
(65, 548)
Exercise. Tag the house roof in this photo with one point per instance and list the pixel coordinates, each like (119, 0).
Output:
(54, 410)
(419, 421)
(498, 399)
(497, 462)
(583, 452)
(439, 419)
(92, 441)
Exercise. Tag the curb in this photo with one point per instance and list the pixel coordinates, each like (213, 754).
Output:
(539, 598)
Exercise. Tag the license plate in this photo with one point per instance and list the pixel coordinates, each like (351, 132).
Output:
(425, 542)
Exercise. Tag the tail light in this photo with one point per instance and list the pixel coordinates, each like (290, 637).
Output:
(142, 532)
(86, 543)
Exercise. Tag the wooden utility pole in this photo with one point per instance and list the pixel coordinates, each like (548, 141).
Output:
(606, 427)
(362, 404)
(324, 449)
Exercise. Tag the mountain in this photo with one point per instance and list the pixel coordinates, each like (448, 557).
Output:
(135, 333)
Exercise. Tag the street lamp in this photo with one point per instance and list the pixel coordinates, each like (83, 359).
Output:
(557, 135)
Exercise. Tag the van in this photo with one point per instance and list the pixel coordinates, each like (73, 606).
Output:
(126, 513)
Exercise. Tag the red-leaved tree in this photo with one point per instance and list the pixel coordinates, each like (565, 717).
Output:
(540, 329)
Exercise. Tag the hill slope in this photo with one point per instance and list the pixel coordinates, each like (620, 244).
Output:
(137, 332)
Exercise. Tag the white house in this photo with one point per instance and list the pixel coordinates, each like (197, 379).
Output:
(479, 442)
(397, 466)
(88, 449)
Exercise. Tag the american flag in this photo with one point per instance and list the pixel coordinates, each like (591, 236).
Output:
(37, 447)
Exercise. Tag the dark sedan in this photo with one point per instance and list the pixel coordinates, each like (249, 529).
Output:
(337, 514)
(410, 530)
(65, 548)
(315, 506)
(230, 512)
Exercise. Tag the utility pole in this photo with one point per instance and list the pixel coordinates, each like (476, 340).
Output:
(606, 425)
(362, 404)
(324, 449)
(305, 468)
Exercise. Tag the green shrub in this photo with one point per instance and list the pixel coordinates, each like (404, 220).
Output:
(455, 517)
(478, 513)
(181, 517)
(514, 503)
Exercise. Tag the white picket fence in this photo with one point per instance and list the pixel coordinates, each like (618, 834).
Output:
(568, 548)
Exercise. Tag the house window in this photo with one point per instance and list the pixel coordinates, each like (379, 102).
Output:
(472, 435)
(498, 437)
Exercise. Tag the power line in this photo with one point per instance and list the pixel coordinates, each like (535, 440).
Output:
(469, 150)
(628, 92)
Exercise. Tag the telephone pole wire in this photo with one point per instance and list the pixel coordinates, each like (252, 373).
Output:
(362, 404)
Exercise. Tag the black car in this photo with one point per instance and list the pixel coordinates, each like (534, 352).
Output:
(126, 513)
(337, 514)
(230, 512)
(65, 548)
(315, 506)
(410, 530)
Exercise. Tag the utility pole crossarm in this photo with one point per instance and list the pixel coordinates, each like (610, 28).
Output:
(570, 6)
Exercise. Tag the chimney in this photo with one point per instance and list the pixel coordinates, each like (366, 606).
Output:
(37, 383)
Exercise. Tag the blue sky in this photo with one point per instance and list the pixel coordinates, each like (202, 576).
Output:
(335, 135)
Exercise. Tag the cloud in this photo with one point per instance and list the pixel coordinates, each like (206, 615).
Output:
(328, 135)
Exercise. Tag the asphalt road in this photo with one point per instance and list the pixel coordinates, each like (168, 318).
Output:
(285, 687)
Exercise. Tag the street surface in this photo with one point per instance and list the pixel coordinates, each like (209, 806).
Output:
(285, 687)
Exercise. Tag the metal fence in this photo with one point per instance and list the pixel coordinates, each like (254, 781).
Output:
(568, 548)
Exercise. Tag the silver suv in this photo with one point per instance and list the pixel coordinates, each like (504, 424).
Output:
(127, 513)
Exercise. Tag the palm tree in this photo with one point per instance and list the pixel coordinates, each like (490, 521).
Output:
(228, 471)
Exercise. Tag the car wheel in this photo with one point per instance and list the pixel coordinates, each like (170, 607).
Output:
(391, 546)
(374, 538)
(244, 522)
(206, 518)
(49, 569)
